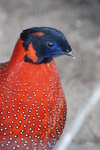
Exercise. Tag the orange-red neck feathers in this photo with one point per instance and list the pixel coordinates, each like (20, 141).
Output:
(20, 52)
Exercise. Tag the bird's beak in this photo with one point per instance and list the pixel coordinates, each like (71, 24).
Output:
(71, 54)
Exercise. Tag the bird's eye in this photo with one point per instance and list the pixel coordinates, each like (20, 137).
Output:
(50, 44)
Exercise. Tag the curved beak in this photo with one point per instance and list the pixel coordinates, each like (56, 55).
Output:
(71, 54)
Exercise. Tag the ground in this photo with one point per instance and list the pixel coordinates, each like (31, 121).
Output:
(80, 22)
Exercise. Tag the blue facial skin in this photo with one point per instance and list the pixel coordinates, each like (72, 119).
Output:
(53, 49)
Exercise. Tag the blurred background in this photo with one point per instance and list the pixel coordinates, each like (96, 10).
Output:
(79, 20)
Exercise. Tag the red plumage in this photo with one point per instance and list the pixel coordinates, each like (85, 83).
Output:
(32, 102)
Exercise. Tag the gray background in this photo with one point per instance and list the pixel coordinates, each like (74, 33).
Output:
(79, 20)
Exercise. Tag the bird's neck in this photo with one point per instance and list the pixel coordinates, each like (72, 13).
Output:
(27, 72)
(18, 68)
(18, 53)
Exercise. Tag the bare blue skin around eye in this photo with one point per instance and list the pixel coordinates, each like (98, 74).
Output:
(55, 50)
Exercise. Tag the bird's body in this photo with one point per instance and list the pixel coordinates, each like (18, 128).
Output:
(32, 103)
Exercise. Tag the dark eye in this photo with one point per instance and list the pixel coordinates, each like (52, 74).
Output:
(50, 44)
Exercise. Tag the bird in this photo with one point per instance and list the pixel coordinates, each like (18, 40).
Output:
(33, 108)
